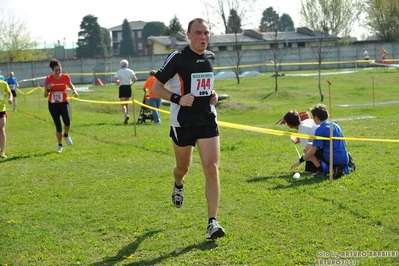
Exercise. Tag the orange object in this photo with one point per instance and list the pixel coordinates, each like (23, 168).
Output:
(99, 82)
(304, 115)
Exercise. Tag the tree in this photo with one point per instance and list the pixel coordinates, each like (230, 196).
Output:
(218, 11)
(107, 41)
(285, 23)
(154, 28)
(338, 16)
(234, 26)
(16, 42)
(324, 17)
(382, 19)
(276, 52)
(127, 42)
(174, 27)
(239, 10)
(269, 20)
(91, 41)
(234, 22)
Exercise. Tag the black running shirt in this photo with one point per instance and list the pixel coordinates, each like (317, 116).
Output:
(185, 71)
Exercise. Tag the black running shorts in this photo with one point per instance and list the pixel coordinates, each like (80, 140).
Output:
(184, 136)
(125, 91)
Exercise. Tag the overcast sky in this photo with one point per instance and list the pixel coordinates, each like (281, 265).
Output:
(46, 21)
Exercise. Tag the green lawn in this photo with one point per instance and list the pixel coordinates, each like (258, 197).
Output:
(106, 199)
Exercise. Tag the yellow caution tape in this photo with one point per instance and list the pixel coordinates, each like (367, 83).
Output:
(235, 126)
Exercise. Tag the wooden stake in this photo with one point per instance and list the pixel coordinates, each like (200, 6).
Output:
(331, 135)
(134, 116)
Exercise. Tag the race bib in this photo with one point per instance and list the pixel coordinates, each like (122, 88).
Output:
(12, 87)
(57, 96)
(202, 84)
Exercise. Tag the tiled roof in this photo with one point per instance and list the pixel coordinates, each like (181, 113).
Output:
(247, 37)
(134, 25)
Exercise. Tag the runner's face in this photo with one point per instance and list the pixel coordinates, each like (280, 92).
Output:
(57, 71)
(199, 37)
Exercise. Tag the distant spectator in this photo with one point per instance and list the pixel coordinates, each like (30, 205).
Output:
(13, 84)
(153, 100)
(383, 53)
(1, 76)
(366, 56)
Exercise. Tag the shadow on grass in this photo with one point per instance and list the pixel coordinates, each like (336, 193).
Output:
(14, 158)
(111, 124)
(343, 207)
(131, 249)
(78, 129)
(309, 180)
(268, 95)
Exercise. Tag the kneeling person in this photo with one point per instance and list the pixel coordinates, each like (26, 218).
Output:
(321, 148)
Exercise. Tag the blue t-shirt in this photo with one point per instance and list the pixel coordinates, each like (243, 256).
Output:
(340, 154)
(12, 82)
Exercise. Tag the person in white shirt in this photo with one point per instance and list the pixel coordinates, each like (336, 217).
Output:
(306, 126)
(125, 78)
(366, 56)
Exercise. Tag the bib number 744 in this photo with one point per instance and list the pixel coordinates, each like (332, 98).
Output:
(202, 84)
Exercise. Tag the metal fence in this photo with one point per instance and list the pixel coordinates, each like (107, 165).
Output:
(88, 70)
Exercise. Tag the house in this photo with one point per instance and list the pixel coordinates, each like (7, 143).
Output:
(247, 40)
(167, 44)
(137, 29)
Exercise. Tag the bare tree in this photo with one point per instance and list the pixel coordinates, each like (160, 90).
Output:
(277, 52)
(277, 57)
(233, 15)
(328, 17)
(339, 16)
(16, 42)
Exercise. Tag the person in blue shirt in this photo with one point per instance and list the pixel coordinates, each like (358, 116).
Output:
(321, 148)
(13, 84)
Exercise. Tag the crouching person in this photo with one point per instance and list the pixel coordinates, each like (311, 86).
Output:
(321, 148)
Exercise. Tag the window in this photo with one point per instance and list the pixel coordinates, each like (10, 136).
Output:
(301, 44)
(140, 46)
(274, 46)
(222, 48)
(139, 34)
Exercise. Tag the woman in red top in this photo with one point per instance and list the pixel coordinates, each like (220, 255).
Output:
(58, 105)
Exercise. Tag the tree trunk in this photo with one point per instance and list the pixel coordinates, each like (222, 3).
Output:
(320, 91)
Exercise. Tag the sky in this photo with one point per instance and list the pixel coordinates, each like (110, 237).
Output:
(52, 21)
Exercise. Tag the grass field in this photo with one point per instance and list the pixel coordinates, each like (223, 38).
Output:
(106, 199)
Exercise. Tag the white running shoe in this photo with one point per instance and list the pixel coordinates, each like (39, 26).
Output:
(178, 195)
(59, 149)
(214, 230)
(126, 119)
(68, 140)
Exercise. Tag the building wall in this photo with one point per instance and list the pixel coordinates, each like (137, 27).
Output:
(159, 49)
(138, 42)
(85, 71)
